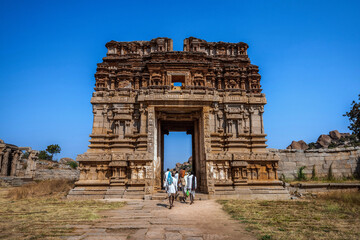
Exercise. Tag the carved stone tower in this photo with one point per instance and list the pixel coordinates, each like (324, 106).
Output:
(144, 89)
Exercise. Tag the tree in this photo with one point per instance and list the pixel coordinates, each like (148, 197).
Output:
(43, 155)
(53, 149)
(354, 118)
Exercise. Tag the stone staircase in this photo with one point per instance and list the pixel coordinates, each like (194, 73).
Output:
(115, 192)
(161, 195)
(270, 193)
(87, 193)
(134, 192)
(246, 192)
(249, 192)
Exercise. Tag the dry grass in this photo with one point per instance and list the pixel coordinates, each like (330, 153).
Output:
(331, 216)
(40, 189)
(48, 216)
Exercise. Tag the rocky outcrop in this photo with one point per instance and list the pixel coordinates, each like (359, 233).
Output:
(324, 141)
(300, 145)
(332, 140)
(335, 135)
(66, 160)
(187, 166)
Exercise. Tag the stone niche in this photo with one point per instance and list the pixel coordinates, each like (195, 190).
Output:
(144, 89)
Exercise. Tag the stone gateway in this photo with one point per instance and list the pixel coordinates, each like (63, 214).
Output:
(144, 89)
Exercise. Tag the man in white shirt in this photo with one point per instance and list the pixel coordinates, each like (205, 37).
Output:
(177, 180)
(191, 186)
(166, 175)
(171, 189)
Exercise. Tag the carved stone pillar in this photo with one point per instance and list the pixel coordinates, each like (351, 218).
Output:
(229, 125)
(221, 121)
(261, 111)
(137, 80)
(14, 163)
(142, 120)
(246, 123)
(1, 157)
(239, 127)
(128, 127)
(4, 168)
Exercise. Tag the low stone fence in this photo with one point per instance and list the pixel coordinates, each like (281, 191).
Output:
(50, 174)
(344, 162)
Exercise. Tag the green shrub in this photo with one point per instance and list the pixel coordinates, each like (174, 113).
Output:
(43, 155)
(313, 173)
(300, 174)
(312, 145)
(330, 175)
(332, 145)
(265, 237)
(282, 177)
(73, 164)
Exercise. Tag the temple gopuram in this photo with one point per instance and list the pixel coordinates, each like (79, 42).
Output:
(144, 90)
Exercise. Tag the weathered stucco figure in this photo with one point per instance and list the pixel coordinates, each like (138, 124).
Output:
(144, 89)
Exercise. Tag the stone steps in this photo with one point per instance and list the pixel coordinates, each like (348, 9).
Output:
(115, 192)
(162, 196)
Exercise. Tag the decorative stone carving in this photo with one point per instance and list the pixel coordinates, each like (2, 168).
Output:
(136, 102)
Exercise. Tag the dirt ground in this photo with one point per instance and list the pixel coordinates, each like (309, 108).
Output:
(153, 220)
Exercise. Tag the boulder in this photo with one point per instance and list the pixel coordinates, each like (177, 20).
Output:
(300, 145)
(66, 160)
(335, 135)
(324, 141)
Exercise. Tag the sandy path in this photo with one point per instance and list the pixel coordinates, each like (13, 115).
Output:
(153, 220)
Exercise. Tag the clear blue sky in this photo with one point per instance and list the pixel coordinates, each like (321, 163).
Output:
(308, 53)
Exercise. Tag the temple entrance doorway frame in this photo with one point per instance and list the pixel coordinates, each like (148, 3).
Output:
(180, 119)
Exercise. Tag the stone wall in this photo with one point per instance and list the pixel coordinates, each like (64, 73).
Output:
(46, 170)
(47, 174)
(345, 161)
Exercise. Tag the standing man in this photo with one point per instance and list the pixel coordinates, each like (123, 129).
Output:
(183, 183)
(177, 180)
(191, 186)
(177, 176)
(166, 175)
(171, 189)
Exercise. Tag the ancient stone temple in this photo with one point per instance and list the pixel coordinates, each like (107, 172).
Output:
(144, 89)
(11, 162)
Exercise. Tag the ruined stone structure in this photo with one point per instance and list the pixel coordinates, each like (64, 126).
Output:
(11, 162)
(144, 89)
(17, 169)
